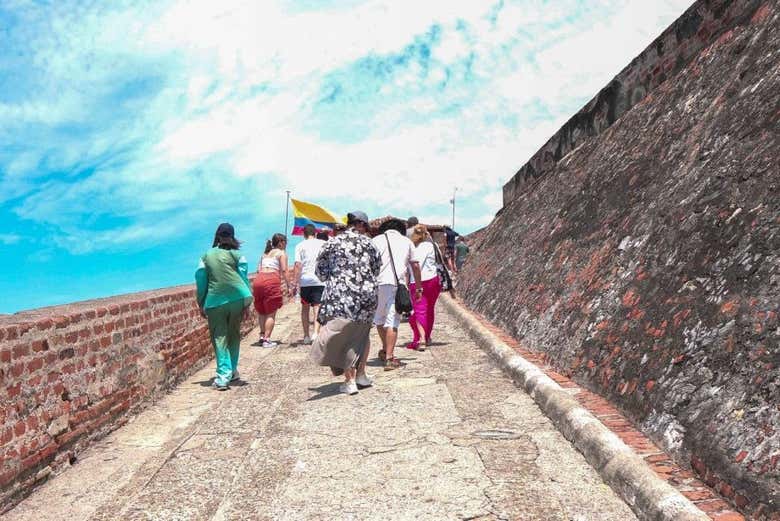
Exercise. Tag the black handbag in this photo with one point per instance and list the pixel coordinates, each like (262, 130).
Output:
(403, 301)
(441, 270)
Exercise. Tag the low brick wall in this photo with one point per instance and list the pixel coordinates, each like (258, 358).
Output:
(71, 374)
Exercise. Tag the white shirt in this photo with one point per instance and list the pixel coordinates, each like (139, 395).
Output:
(268, 262)
(426, 256)
(306, 254)
(403, 255)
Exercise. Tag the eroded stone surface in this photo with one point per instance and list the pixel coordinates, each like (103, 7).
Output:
(446, 437)
(645, 263)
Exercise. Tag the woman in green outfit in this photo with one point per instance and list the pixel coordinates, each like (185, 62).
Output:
(223, 293)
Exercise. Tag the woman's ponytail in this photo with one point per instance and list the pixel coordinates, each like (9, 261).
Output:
(275, 242)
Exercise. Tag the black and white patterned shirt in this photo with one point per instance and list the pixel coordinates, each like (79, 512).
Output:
(348, 265)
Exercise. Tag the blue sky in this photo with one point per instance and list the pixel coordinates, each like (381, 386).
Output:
(130, 129)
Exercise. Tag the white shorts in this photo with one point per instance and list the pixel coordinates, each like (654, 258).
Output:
(385, 310)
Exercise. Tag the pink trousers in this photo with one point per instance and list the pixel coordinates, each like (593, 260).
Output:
(423, 312)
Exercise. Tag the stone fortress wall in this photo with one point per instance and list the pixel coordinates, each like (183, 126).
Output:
(672, 51)
(71, 374)
(639, 249)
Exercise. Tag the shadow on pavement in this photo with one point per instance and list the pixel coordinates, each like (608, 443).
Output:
(207, 383)
(324, 391)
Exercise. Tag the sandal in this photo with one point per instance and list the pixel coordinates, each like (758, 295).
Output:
(414, 346)
(382, 355)
(392, 363)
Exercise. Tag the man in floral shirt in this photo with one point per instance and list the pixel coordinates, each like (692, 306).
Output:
(348, 265)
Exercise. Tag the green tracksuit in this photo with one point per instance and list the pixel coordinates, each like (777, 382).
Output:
(223, 292)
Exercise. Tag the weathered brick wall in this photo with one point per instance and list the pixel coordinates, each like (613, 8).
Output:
(71, 374)
(646, 263)
(670, 53)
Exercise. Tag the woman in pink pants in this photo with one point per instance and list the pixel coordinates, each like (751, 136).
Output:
(422, 315)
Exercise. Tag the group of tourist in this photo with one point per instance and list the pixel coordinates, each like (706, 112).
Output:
(349, 281)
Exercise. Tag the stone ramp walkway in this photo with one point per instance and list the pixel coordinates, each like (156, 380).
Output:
(446, 437)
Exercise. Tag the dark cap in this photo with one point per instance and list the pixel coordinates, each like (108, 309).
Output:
(357, 215)
(411, 221)
(226, 230)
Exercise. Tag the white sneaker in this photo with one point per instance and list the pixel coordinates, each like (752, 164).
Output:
(313, 337)
(307, 340)
(363, 381)
(269, 343)
(348, 388)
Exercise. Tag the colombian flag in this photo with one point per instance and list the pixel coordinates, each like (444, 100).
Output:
(308, 213)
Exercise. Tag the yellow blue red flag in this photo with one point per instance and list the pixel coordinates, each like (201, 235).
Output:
(308, 213)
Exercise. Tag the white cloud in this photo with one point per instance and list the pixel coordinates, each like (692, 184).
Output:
(233, 108)
(383, 168)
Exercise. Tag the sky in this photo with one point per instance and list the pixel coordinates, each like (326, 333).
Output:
(130, 129)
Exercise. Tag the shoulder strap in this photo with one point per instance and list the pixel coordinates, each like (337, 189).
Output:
(437, 253)
(392, 262)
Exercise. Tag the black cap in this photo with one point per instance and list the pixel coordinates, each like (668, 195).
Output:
(411, 221)
(226, 230)
(357, 215)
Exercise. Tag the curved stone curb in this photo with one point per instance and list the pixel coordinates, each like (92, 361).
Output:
(649, 496)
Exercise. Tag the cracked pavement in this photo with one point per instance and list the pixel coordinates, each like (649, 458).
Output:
(448, 436)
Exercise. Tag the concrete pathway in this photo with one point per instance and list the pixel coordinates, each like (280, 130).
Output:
(446, 437)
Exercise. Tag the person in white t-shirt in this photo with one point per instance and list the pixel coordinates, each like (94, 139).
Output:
(311, 287)
(393, 238)
(421, 319)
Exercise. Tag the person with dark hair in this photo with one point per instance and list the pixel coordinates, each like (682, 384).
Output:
(411, 222)
(323, 236)
(311, 287)
(461, 251)
(450, 257)
(392, 224)
(397, 254)
(267, 286)
(348, 264)
(223, 293)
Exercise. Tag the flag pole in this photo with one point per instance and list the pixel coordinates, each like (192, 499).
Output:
(286, 211)
(452, 201)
